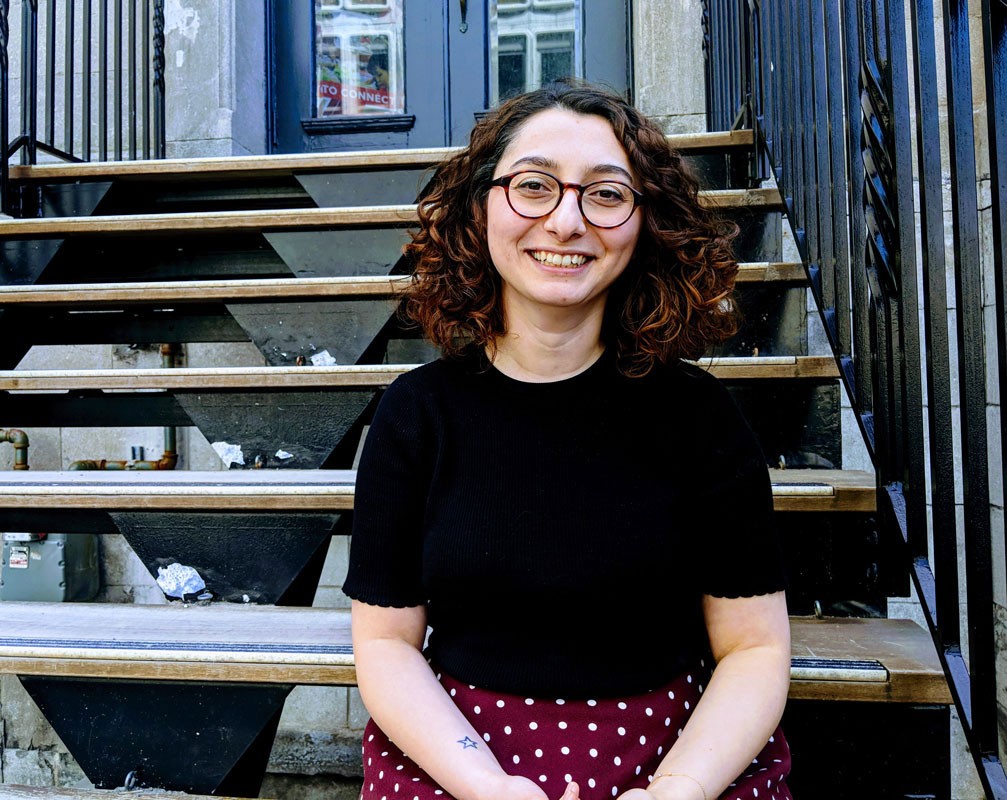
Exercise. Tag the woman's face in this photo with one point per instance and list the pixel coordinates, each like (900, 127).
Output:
(575, 148)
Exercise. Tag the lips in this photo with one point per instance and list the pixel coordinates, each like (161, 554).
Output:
(571, 260)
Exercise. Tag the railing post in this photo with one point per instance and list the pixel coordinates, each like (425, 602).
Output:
(995, 58)
(972, 377)
(708, 64)
(159, 90)
(68, 81)
(5, 201)
(29, 81)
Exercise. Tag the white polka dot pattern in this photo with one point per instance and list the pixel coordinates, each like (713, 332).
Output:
(607, 745)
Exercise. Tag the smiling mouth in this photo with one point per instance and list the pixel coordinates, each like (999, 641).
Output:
(558, 259)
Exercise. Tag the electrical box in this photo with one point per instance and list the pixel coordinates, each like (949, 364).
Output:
(54, 567)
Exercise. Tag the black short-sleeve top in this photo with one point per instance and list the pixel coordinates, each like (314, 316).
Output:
(561, 535)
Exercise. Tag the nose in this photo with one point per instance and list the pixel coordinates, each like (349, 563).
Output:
(566, 222)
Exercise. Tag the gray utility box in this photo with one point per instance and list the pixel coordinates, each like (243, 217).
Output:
(54, 567)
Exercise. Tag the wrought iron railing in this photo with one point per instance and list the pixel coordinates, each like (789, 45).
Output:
(845, 97)
(91, 83)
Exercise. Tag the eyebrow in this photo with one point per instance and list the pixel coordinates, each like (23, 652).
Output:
(548, 163)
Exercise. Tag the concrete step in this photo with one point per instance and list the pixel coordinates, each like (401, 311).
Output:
(838, 659)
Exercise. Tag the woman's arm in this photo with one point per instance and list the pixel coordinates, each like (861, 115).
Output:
(741, 707)
(410, 706)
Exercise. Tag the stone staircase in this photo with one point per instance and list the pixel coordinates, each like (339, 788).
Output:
(300, 256)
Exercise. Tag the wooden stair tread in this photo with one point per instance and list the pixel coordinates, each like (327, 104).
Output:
(202, 378)
(219, 490)
(293, 219)
(313, 646)
(377, 375)
(267, 289)
(326, 490)
(213, 222)
(904, 649)
(771, 271)
(768, 199)
(279, 165)
(823, 490)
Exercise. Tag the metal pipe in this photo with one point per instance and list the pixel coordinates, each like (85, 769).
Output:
(20, 441)
(168, 353)
(168, 459)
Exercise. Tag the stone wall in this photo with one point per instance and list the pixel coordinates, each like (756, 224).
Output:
(668, 78)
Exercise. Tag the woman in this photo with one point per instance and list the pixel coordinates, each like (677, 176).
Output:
(583, 520)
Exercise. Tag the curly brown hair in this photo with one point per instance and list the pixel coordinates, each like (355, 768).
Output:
(672, 301)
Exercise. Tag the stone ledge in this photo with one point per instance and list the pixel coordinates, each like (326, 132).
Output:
(316, 753)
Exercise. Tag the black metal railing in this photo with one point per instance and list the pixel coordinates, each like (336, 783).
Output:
(91, 83)
(846, 96)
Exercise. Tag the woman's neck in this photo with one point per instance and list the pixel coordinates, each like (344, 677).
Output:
(538, 351)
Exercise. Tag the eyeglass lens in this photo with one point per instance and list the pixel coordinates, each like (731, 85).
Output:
(606, 204)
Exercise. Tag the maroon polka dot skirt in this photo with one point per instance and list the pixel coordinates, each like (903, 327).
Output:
(608, 746)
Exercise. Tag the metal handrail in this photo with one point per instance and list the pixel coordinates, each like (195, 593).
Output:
(134, 27)
(840, 91)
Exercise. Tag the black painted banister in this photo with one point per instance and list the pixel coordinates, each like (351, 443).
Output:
(838, 92)
(122, 28)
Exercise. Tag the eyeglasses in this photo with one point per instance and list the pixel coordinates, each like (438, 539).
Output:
(605, 204)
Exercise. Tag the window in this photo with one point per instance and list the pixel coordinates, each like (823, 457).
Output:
(358, 58)
(533, 42)
(555, 52)
(512, 65)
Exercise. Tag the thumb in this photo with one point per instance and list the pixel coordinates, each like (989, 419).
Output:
(572, 791)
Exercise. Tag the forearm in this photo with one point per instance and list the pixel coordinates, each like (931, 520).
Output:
(408, 703)
(737, 714)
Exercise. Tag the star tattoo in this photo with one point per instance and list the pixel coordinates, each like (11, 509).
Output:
(466, 743)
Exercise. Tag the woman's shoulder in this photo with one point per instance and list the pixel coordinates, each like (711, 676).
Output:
(686, 378)
(430, 384)
(705, 400)
(439, 373)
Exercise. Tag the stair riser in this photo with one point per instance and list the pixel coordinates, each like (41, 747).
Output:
(310, 254)
(773, 316)
(205, 738)
(798, 420)
(876, 750)
(836, 560)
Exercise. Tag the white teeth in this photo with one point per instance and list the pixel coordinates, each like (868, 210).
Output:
(557, 259)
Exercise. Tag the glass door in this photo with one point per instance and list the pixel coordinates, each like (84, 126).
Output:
(375, 74)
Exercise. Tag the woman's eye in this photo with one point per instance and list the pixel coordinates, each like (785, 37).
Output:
(533, 185)
(608, 194)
